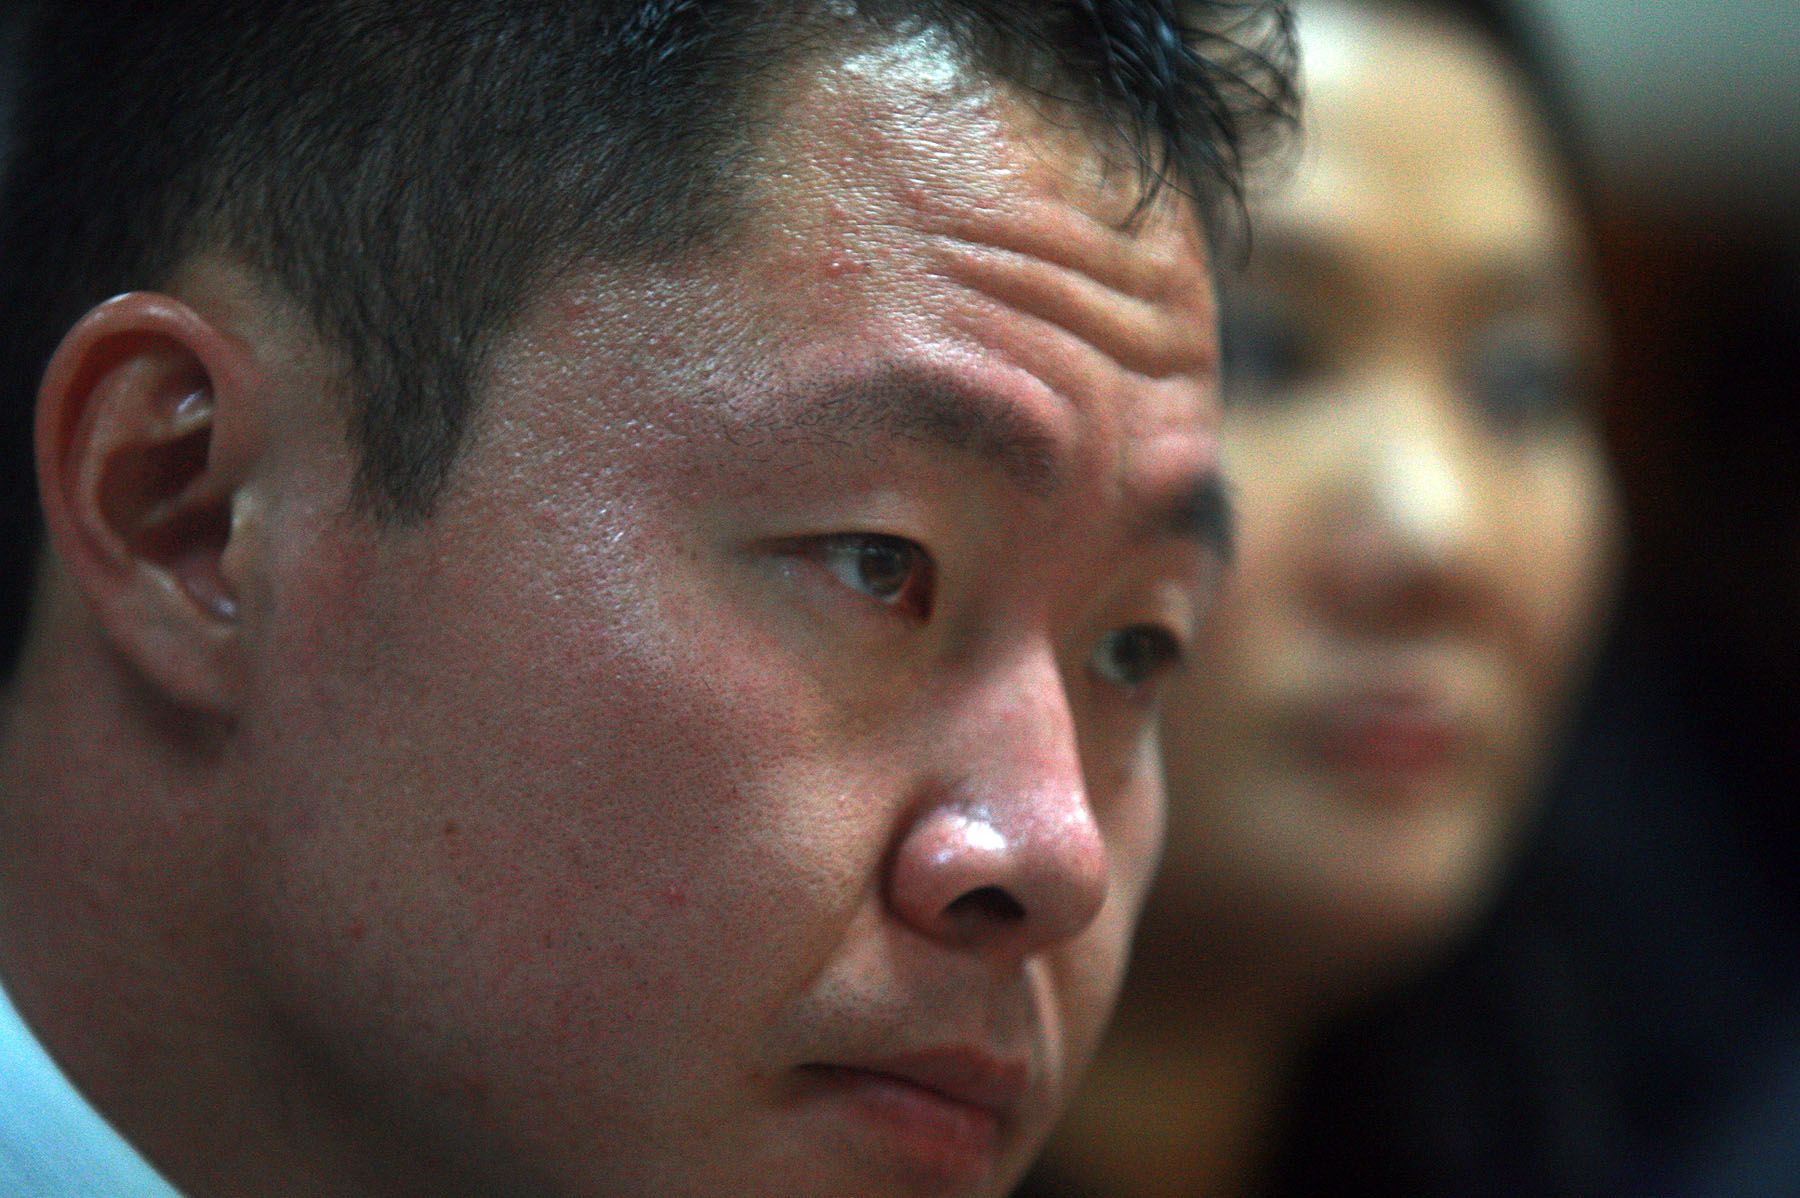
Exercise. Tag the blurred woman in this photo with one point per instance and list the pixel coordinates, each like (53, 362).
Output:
(1427, 542)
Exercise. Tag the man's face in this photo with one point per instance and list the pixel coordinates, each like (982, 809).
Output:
(744, 783)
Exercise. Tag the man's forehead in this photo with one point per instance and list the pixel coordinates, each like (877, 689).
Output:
(900, 162)
(958, 135)
(905, 209)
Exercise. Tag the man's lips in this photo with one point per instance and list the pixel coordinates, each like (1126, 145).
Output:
(970, 1077)
(943, 1111)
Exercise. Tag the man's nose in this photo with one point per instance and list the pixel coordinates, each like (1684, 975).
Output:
(1001, 852)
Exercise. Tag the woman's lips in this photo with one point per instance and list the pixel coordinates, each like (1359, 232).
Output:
(1385, 737)
(939, 1113)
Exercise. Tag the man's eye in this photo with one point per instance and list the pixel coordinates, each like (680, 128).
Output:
(1129, 657)
(893, 571)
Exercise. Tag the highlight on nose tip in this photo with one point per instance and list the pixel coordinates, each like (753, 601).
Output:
(1419, 494)
(978, 879)
(1411, 546)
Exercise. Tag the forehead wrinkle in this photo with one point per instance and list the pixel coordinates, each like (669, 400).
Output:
(928, 408)
(1142, 296)
(1151, 338)
(1143, 262)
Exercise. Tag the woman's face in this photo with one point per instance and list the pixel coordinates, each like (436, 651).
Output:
(1427, 520)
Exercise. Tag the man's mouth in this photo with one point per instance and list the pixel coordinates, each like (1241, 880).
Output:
(942, 1113)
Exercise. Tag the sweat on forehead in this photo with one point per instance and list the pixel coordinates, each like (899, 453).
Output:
(920, 95)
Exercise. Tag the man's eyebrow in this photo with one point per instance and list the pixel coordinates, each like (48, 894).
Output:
(1205, 513)
(967, 421)
(987, 428)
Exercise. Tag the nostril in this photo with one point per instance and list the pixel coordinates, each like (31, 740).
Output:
(988, 904)
(1009, 879)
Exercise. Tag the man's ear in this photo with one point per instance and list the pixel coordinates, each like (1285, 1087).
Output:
(147, 426)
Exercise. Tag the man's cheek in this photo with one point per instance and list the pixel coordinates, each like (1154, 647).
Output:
(695, 789)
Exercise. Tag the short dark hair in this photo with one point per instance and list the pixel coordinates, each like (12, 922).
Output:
(406, 169)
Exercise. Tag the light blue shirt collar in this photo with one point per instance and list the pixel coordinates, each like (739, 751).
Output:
(53, 1144)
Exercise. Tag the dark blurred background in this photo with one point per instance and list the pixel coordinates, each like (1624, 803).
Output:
(17, 510)
(1693, 111)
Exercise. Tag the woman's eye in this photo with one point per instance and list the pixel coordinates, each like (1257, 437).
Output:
(1524, 376)
(1264, 352)
(1129, 657)
(893, 571)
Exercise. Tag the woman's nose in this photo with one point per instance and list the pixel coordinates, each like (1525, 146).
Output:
(1411, 538)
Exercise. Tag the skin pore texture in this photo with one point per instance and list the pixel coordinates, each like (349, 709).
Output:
(744, 782)
(1427, 542)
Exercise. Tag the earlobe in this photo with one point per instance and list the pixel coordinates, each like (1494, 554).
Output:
(146, 428)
